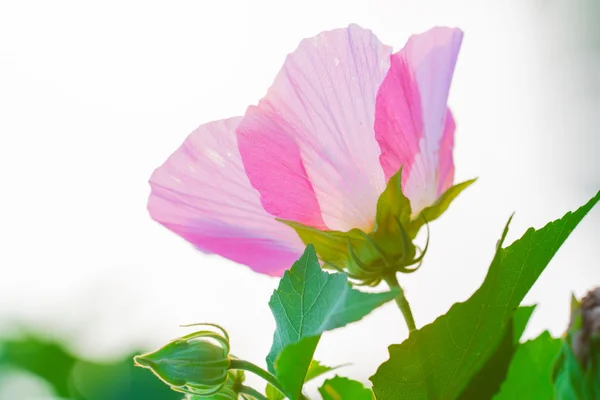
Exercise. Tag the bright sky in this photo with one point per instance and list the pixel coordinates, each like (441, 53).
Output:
(94, 96)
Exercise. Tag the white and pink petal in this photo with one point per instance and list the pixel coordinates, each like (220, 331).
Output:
(413, 125)
(202, 193)
(309, 147)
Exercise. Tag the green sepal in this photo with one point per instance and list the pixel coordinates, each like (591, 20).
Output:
(392, 207)
(228, 392)
(340, 250)
(435, 210)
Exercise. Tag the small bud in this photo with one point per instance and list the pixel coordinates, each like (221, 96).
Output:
(196, 364)
(577, 370)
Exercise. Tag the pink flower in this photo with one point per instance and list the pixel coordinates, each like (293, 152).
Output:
(343, 115)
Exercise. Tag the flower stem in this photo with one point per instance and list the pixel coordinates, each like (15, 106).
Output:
(251, 392)
(248, 366)
(403, 305)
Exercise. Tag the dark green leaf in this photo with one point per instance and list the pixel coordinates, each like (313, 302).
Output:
(78, 379)
(307, 303)
(437, 361)
(486, 383)
(46, 359)
(529, 375)
(339, 388)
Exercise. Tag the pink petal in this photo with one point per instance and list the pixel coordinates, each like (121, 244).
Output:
(203, 194)
(411, 125)
(398, 120)
(446, 168)
(309, 146)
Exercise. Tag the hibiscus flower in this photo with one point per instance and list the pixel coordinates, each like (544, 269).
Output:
(344, 115)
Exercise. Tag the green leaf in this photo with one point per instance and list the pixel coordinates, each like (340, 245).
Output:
(339, 388)
(74, 378)
(576, 372)
(529, 375)
(577, 377)
(437, 209)
(292, 364)
(273, 394)
(486, 383)
(315, 370)
(437, 361)
(307, 303)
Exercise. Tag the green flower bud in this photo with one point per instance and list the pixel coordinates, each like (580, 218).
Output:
(196, 364)
(577, 369)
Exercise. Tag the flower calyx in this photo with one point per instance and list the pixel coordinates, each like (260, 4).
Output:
(368, 257)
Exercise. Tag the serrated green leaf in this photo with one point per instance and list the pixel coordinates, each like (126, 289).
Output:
(307, 303)
(437, 361)
(339, 388)
(486, 382)
(529, 375)
(434, 211)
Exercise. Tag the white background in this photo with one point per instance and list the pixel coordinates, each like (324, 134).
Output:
(95, 95)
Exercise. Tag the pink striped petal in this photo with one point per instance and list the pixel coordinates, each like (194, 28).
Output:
(309, 146)
(398, 120)
(203, 194)
(446, 168)
(411, 125)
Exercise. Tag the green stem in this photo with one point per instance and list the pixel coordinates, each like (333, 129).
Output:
(248, 366)
(251, 392)
(392, 282)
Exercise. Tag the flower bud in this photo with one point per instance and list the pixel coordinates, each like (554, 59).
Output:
(577, 370)
(196, 364)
